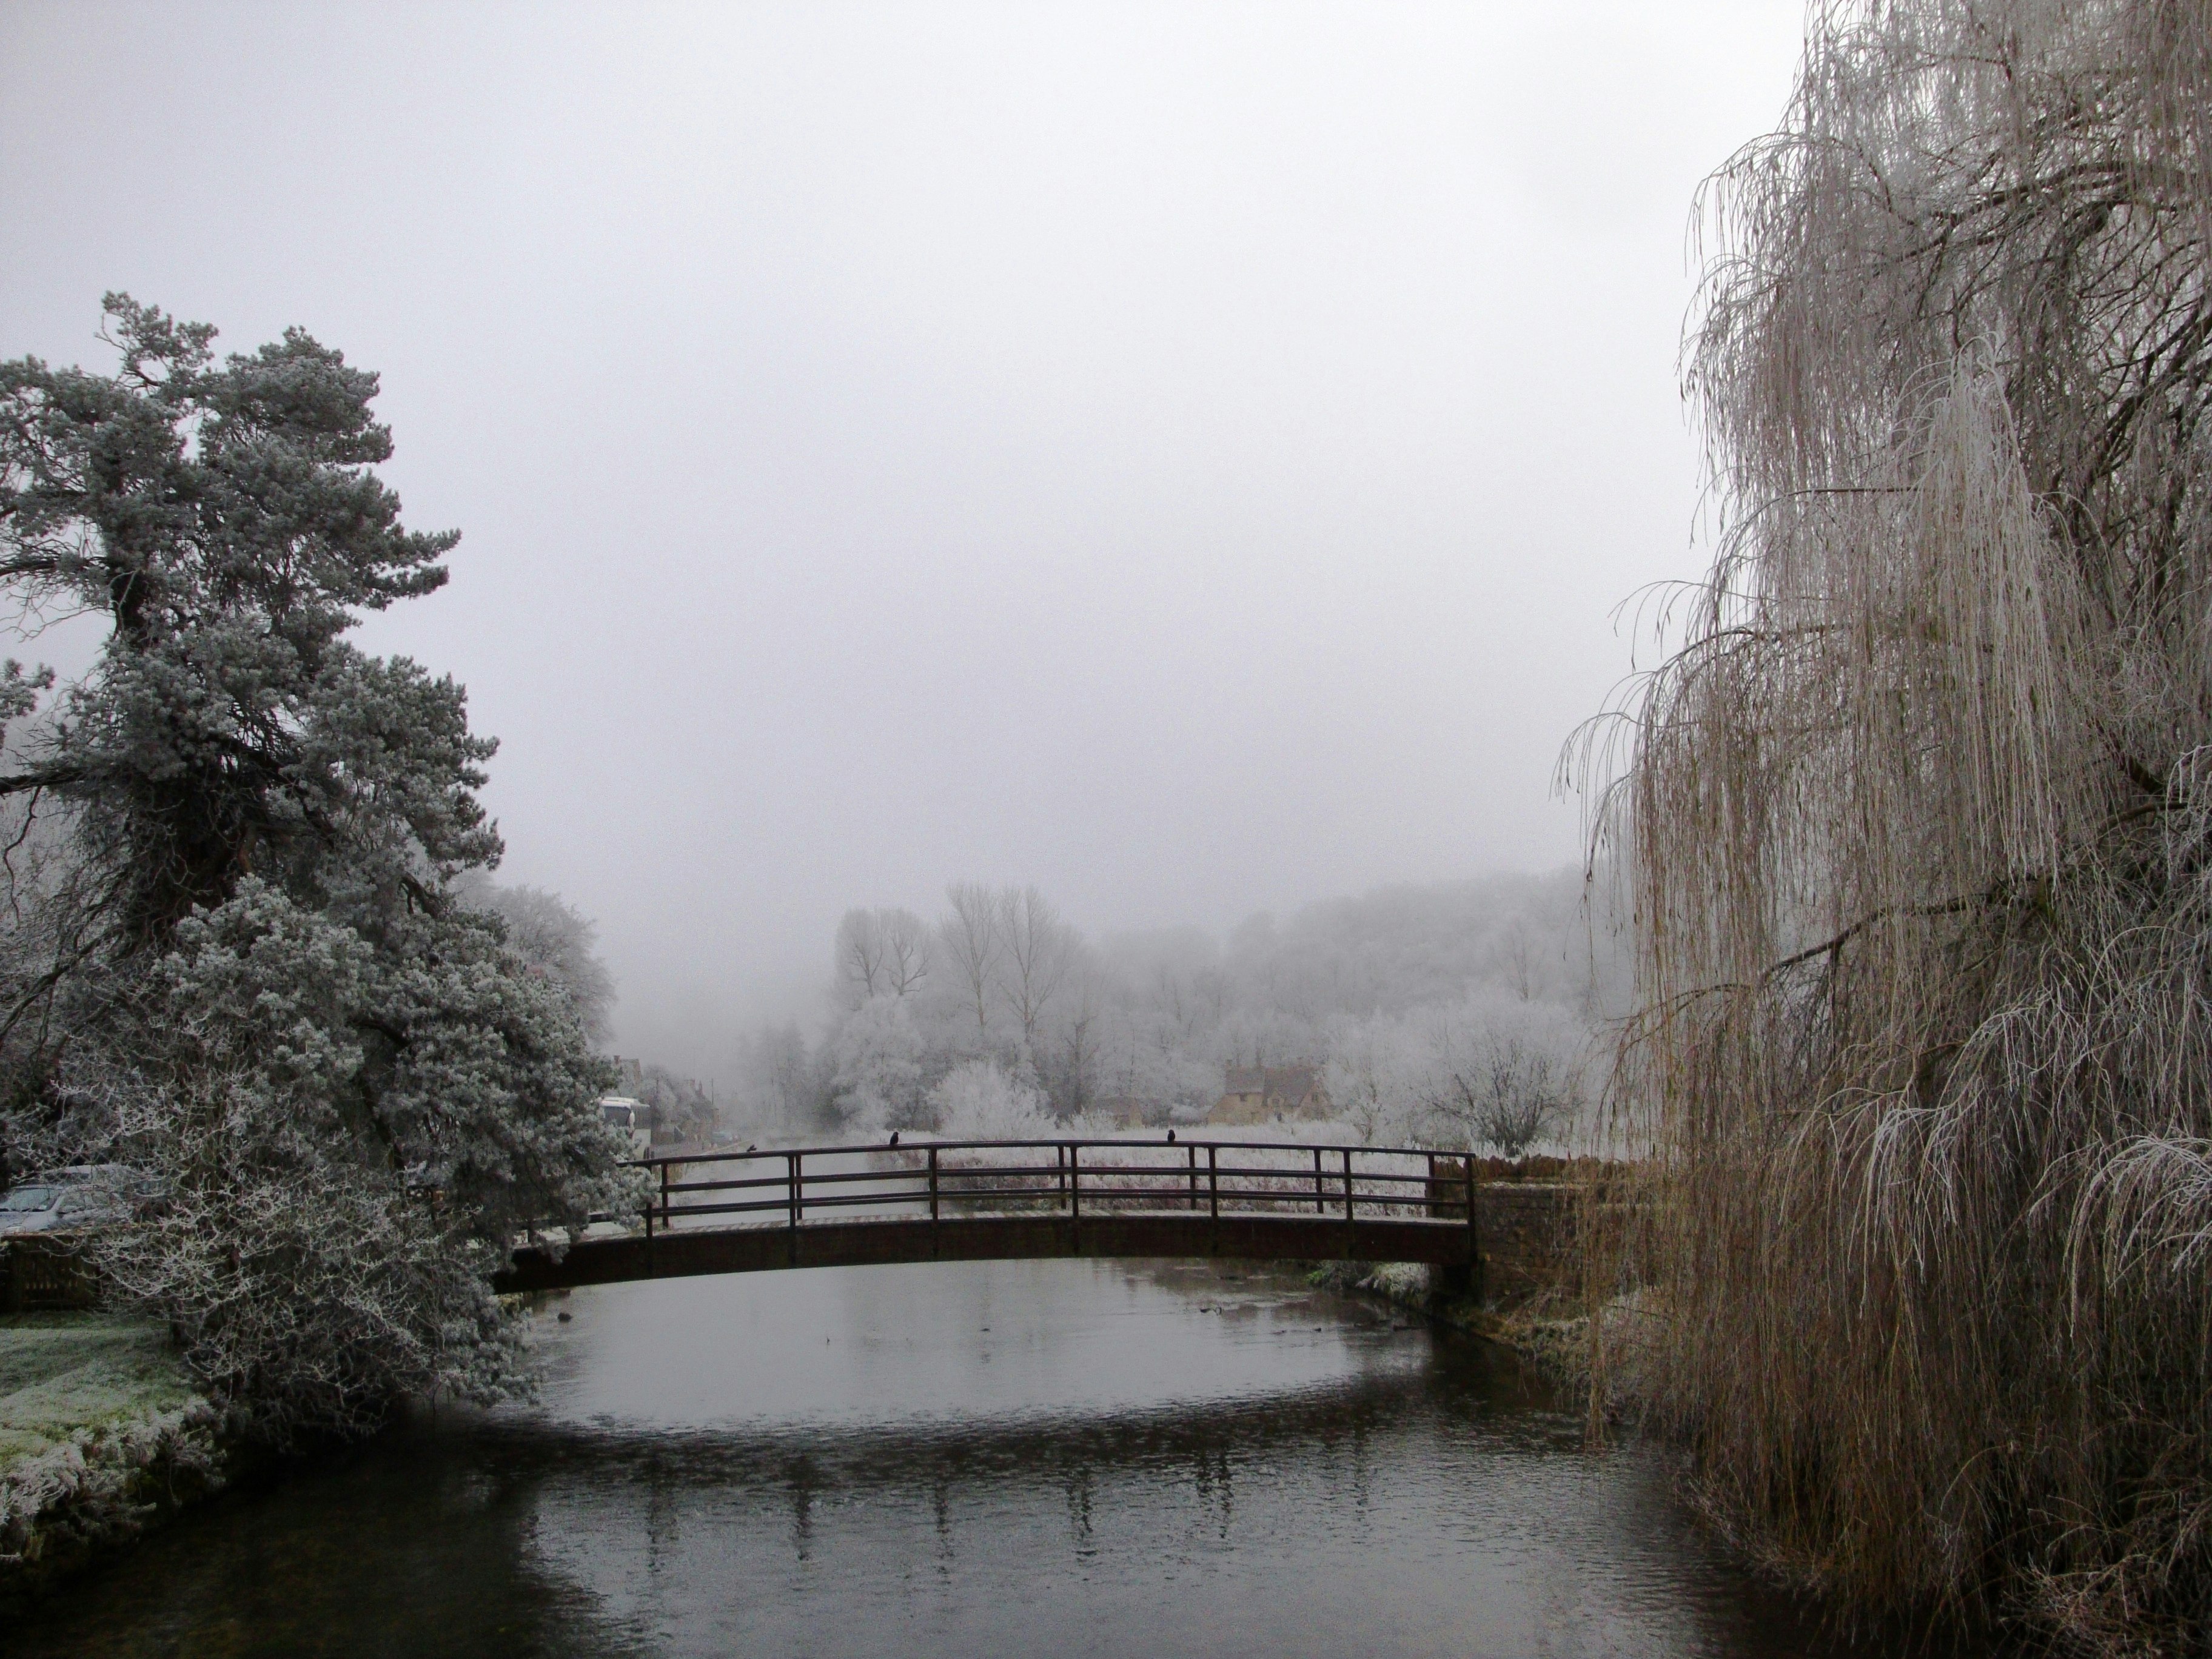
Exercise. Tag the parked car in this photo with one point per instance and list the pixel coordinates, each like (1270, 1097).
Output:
(81, 1196)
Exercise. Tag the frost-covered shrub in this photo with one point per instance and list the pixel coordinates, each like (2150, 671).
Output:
(881, 1065)
(102, 1486)
(980, 1100)
(346, 1140)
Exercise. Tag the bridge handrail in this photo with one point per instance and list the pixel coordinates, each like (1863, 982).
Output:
(710, 1154)
(1335, 1180)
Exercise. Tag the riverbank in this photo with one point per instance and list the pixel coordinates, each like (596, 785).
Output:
(101, 1437)
(1551, 1331)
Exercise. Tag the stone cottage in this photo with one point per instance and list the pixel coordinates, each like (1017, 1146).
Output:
(1270, 1094)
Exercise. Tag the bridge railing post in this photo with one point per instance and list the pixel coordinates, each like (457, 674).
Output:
(664, 1198)
(1213, 1181)
(1193, 1177)
(1474, 1238)
(1347, 1183)
(932, 1184)
(1321, 1205)
(1074, 1183)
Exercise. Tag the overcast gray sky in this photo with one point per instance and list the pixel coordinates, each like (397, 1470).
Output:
(1185, 456)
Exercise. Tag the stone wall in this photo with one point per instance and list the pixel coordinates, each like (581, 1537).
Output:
(1526, 1222)
(1525, 1233)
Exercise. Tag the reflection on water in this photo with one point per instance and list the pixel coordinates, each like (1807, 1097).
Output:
(1032, 1458)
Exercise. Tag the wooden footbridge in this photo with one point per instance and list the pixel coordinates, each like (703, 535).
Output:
(981, 1200)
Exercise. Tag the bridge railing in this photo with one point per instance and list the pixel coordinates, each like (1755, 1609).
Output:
(790, 1187)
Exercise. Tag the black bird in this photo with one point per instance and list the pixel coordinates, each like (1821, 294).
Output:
(1171, 1137)
(755, 1144)
(895, 1137)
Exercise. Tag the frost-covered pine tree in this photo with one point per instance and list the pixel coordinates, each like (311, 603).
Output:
(237, 956)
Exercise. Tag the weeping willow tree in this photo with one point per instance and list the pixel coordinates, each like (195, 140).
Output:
(1920, 821)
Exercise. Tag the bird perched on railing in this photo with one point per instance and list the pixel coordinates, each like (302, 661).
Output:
(1171, 1137)
(895, 1137)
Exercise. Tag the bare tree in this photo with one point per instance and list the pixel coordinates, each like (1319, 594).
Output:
(1073, 1071)
(882, 952)
(1038, 950)
(786, 1085)
(1516, 959)
(860, 956)
(971, 943)
(1519, 1095)
(908, 951)
(1487, 1088)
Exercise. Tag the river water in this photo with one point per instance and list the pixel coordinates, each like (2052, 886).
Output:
(1053, 1458)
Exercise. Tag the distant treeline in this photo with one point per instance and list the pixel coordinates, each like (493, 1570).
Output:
(1422, 1006)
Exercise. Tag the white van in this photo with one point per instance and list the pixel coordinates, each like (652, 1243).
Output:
(630, 1114)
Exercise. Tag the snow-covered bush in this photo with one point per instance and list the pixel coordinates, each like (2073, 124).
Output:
(1489, 1071)
(980, 1100)
(881, 1063)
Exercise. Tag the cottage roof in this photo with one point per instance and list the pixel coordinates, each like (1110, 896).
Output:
(1292, 1082)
